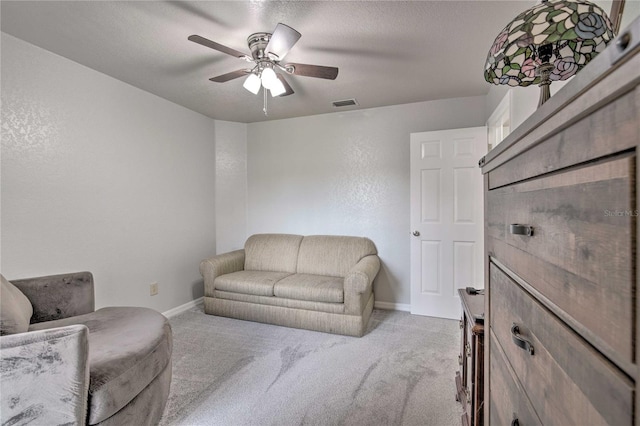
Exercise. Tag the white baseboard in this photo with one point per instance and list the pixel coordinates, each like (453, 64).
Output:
(389, 306)
(182, 308)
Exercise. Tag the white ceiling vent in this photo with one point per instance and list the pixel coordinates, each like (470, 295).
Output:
(344, 103)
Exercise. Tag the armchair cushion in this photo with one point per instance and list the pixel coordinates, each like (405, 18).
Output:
(15, 309)
(129, 347)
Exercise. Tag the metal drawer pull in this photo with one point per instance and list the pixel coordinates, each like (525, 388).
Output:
(519, 341)
(517, 229)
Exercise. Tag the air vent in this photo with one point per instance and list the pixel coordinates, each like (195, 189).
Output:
(345, 103)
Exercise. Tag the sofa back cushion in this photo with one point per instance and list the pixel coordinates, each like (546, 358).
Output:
(272, 252)
(15, 309)
(332, 255)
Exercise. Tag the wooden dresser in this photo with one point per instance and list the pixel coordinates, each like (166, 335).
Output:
(470, 378)
(561, 314)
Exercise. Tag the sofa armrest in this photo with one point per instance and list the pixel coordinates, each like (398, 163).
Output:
(56, 297)
(361, 276)
(221, 264)
(358, 284)
(45, 376)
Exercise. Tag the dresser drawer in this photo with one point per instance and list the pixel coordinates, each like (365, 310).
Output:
(567, 382)
(580, 252)
(508, 400)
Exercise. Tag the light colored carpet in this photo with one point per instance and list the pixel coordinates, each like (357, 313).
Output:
(233, 372)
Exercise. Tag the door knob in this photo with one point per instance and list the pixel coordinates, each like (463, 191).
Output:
(416, 233)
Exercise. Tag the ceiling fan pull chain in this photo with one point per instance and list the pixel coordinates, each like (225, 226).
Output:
(264, 108)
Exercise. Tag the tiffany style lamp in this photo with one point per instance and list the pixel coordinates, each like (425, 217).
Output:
(551, 41)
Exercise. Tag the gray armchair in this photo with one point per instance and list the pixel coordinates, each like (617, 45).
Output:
(75, 365)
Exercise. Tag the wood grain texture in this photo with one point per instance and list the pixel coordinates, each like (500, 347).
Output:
(508, 400)
(580, 253)
(470, 380)
(478, 377)
(473, 304)
(567, 382)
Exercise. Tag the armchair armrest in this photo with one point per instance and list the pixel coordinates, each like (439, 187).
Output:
(358, 284)
(45, 376)
(219, 265)
(58, 296)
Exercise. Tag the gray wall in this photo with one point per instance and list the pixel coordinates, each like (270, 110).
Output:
(98, 175)
(347, 173)
(231, 186)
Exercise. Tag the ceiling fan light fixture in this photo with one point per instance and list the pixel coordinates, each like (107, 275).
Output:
(269, 78)
(252, 83)
(267, 50)
(277, 88)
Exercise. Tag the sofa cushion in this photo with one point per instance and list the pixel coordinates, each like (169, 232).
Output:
(128, 348)
(249, 282)
(305, 305)
(332, 255)
(314, 288)
(272, 252)
(15, 309)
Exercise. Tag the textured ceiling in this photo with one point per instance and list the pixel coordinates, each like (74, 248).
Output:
(388, 52)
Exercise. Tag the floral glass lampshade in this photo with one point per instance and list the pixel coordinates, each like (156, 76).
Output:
(551, 41)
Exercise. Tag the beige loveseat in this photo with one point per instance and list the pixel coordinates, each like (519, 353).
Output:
(317, 282)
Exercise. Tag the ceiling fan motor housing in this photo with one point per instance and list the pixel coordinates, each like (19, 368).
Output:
(257, 44)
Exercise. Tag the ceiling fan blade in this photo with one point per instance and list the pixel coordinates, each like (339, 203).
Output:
(216, 46)
(230, 76)
(318, 71)
(288, 89)
(282, 40)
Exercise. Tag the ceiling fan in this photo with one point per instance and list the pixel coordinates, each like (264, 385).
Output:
(267, 52)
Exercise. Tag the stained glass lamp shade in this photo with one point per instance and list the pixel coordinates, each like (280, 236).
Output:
(551, 41)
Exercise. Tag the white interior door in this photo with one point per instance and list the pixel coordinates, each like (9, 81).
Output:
(447, 214)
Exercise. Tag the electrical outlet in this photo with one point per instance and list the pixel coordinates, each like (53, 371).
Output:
(153, 289)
